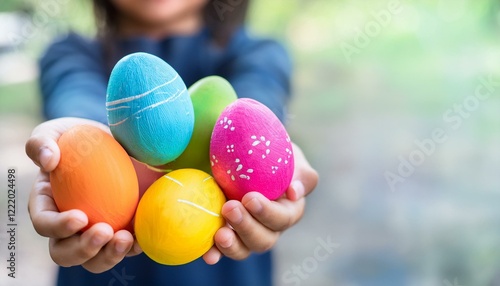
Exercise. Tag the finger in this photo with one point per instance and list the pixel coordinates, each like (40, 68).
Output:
(78, 249)
(230, 244)
(135, 250)
(304, 179)
(114, 252)
(275, 215)
(212, 256)
(304, 183)
(252, 233)
(42, 147)
(59, 225)
(46, 218)
(44, 152)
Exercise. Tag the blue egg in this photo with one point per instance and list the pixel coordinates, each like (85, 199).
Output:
(149, 109)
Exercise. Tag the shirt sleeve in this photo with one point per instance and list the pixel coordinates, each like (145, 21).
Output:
(72, 80)
(261, 70)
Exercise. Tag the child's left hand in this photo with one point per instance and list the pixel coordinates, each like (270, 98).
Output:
(255, 223)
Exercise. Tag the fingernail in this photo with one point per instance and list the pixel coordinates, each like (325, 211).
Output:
(235, 216)
(121, 247)
(44, 156)
(227, 243)
(254, 206)
(298, 188)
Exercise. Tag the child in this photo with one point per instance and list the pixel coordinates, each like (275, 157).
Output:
(198, 38)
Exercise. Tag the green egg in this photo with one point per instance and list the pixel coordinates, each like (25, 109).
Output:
(210, 96)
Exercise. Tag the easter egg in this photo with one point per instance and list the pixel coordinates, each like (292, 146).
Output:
(250, 150)
(210, 96)
(96, 176)
(149, 109)
(146, 175)
(178, 216)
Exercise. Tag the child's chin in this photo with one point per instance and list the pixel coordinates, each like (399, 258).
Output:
(160, 11)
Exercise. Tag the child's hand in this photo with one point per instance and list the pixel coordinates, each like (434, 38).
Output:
(251, 227)
(255, 223)
(98, 248)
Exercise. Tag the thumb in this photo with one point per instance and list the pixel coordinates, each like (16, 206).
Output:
(44, 152)
(304, 179)
(42, 146)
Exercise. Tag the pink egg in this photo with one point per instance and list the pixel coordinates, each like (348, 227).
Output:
(146, 175)
(250, 150)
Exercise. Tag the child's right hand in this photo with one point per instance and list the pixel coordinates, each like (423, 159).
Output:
(97, 249)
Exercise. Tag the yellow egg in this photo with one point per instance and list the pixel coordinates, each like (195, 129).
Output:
(178, 216)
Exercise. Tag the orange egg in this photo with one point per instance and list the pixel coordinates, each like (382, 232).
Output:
(95, 175)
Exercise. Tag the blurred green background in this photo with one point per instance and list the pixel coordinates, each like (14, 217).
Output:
(371, 78)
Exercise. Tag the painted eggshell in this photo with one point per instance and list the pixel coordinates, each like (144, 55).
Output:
(149, 109)
(210, 96)
(178, 216)
(96, 176)
(146, 175)
(250, 150)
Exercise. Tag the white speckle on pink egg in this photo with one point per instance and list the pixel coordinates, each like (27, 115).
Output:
(258, 144)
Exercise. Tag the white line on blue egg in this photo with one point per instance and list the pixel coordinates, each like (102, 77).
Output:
(154, 105)
(134, 97)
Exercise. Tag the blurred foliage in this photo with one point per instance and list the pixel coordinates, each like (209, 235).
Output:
(20, 99)
(13, 5)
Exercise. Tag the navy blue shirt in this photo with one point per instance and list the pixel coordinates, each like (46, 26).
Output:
(73, 80)
(74, 74)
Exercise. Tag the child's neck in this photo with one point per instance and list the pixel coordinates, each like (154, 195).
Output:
(186, 26)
